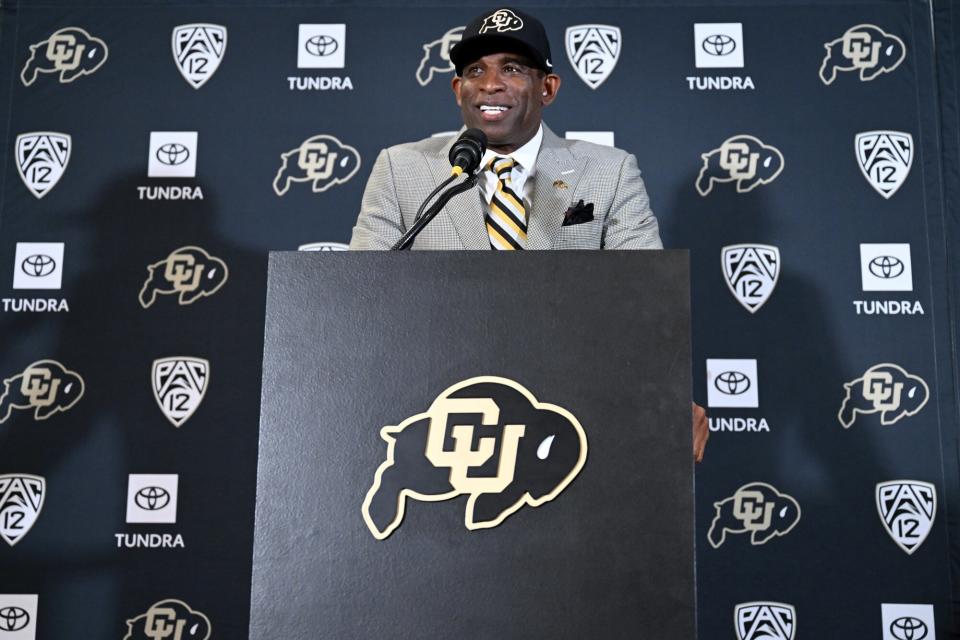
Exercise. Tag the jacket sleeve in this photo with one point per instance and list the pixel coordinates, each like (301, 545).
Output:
(380, 223)
(631, 224)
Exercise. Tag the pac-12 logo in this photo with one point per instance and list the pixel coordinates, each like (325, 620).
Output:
(198, 50)
(190, 273)
(487, 438)
(71, 52)
(436, 56)
(756, 508)
(865, 48)
(322, 160)
(885, 158)
(593, 51)
(169, 619)
(45, 386)
(751, 272)
(765, 621)
(907, 509)
(42, 158)
(886, 389)
(742, 159)
(179, 384)
(21, 500)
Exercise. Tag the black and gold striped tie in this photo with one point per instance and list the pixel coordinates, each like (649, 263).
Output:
(506, 218)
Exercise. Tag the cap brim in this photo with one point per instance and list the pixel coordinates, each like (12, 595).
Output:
(472, 49)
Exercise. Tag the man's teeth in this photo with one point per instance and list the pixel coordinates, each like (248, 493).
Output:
(486, 108)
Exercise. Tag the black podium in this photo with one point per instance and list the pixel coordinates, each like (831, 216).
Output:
(475, 445)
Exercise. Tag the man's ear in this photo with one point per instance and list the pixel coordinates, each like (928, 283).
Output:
(455, 85)
(551, 85)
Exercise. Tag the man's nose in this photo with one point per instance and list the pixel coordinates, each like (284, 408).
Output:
(492, 81)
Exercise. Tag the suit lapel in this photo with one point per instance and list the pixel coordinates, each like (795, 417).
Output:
(465, 209)
(548, 202)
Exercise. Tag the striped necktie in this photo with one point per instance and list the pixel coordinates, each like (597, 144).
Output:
(506, 218)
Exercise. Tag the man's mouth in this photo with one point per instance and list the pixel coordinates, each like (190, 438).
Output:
(492, 112)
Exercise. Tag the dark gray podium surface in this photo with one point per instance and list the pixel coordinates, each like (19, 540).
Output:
(534, 479)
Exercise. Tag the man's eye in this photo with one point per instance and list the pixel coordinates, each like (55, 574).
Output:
(511, 68)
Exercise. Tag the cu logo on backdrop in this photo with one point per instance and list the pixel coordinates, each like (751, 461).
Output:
(70, 52)
(758, 509)
(46, 386)
(169, 619)
(742, 159)
(322, 160)
(866, 49)
(190, 273)
(886, 389)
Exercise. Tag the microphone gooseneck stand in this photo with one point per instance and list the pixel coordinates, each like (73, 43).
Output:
(407, 239)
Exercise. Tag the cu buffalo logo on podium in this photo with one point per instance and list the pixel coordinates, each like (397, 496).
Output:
(169, 619)
(71, 52)
(198, 50)
(21, 500)
(886, 389)
(743, 159)
(436, 56)
(907, 509)
(865, 48)
(322, 160)
(42, 158)
(46, 386)
(765, 621)
(487, 438)
(756, 508)
(179, 385)
(189, 272)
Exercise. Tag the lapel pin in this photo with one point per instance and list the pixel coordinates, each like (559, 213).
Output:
(560, 184)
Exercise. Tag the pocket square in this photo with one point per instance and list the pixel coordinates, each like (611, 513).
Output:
(578, 214)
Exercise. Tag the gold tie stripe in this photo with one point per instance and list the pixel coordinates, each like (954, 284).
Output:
(506, 218)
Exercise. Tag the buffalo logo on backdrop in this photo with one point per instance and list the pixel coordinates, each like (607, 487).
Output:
(593, 51)
(487, 438)
(885, 388)
(38, 265)
(907, 621)
(198, 50)
(71, 52)
(742, 159)
(46, 387)
(885, 158)
(152, 498)
(172, 154)
(21, 500)
(436, 56)
(179, 385)
(18, 616)
(42, 158)
(765, 621)
(169, 619)
(756, 508)
(322, 160)
(189, 272)
(501, 20)
(322, 46)
(751, 272)
(865, 48)
(907, 509)
(718, 45)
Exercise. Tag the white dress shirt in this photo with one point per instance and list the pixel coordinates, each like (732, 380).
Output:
(525, 165)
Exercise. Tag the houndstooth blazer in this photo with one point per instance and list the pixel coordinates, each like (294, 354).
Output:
(567, 171)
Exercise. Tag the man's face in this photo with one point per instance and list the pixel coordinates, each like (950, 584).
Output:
(503, 94)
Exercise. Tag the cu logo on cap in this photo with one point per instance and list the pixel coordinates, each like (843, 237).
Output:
(321, 45)
(172, 153)
(732, 383)
(152, 498)
(38, 265)
(719, 44)
(908, 628)
(886, 267)
(13, 619)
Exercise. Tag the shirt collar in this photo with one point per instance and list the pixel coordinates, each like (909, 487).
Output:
(525, 156)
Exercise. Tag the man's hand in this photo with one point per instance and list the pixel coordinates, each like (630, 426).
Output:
(701, 433)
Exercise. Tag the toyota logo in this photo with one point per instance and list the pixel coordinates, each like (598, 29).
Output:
(886, 267)
(321, 45)
(719, 44)
(908, 628)
(732, 383)
(38, 265)
(13, 619)
(172, 153)
(152, 498)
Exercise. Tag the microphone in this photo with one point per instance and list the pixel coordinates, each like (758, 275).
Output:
(467, 151)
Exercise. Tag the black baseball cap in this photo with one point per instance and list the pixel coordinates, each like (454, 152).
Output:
(503, 30)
